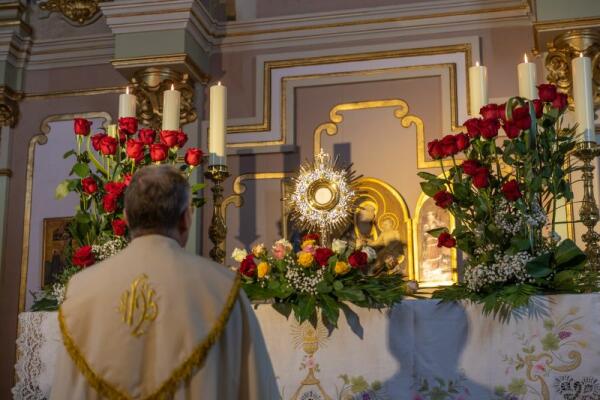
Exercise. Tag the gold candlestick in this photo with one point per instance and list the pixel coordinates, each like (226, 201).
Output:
(587, 153)
(217, 231)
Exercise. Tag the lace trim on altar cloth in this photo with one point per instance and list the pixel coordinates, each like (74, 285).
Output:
(36, 353)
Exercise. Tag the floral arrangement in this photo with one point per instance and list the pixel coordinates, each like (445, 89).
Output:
(315, 278)
(504, 196)
(103, 166)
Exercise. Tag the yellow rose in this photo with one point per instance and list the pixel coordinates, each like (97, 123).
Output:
(305, 259)
(263, 269)
(341, 268)
(308, 243)
(258, 250)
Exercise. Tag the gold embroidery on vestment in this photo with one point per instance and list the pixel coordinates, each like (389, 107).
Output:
(137, 307)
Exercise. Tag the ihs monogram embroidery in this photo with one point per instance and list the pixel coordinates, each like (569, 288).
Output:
(137, 307)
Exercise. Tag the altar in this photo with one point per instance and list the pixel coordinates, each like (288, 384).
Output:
(418, 350)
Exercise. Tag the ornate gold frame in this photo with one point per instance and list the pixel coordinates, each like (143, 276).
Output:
(265, 125)
(41, 139)
(400, 112)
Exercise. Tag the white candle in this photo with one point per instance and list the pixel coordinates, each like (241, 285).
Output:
(527, 79)
(127, 105)
(478, 94)
(218, 125)
(582, 95)
(171, 103)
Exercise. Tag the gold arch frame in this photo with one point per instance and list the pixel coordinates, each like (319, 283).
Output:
(453, 253)
(41, 139)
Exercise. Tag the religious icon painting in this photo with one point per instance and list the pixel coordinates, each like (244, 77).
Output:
(56, 239)
(435, 266)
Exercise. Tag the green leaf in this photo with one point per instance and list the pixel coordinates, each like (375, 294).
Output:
(324, 287)
(337, 285)
(430, 189)
(197, 187)
(539, 267)
(427, 176)
(350, 294)
(305, 308)
(69, 154)
(331, 309)
(437, 232)
(567, 254)
(284, 309)
(62, 190)
(81, 170)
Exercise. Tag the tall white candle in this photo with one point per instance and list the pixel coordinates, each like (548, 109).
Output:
(171, 103)
(218, 125)
(478, 94)
(126, 105)
(582, 95)
(527, 79)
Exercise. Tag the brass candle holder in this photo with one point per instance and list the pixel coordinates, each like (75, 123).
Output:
(217, 231)
(589, 215)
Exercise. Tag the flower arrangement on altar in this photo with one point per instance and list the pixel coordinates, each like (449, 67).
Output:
(103, 166)
(316, 278)
(504, 196)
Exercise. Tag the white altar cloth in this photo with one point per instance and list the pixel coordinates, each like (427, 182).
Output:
(419, 350)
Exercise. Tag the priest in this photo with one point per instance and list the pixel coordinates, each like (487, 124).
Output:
(155, 322)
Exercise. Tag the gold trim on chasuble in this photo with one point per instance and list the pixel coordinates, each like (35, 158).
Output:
(183, 372)
(138, 306)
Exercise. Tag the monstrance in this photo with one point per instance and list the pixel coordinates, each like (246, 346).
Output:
(322, 196)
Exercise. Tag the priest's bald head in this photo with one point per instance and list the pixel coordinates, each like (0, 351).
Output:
(157, 201)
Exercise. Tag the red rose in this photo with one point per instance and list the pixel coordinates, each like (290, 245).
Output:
(446, 240)
(126, 179)
(358, 259)
(521, 117)
(470, 167)
(83, 257)
(449, 147)
(481, 178)
(97, 139)
(538, 106)
(135, 150)
(82, 126)
(193, 156)
(489, 128)
(462, 141)
(114, 188)
(512, 130)
(248, 266)
(322, 255)
(561, 101)
(128, 126)
(472, 126)
(182, 139)
(311, 236)
(147, 136)
(547, 92)
(435, 149)
(489, 111)
(158, 152)
(119, 227)
(443, 199)
(169, 138)
(109, 203)
(108, 146)
(89, 185)
(511, 191)
(502, 111)
(122, 137)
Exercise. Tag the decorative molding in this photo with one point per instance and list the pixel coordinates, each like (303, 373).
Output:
(82, 12)
(9, 106)
(545, 32)
(41, 139)
(563, 49)
(74, 93)
(148, 86)
(177, 62)
(71, 52)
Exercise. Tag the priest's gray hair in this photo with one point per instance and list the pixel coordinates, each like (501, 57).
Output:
(155, 199)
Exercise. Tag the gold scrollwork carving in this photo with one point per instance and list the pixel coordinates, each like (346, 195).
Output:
(137, 306)
(9, 106)
(79, 11)
(148, 87)
(563, 49)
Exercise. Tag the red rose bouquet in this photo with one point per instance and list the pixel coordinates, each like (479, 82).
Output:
(103, 165)
(503, 196)
(313, 277)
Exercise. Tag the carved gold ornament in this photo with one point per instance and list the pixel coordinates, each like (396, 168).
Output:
(563, 49)
(322, 196)
(79, 11)
(138, 308)
(148, 87)
(9, 106)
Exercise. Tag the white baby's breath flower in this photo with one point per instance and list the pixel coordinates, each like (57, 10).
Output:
(239, 254)
(370, 252)
(339, 246)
